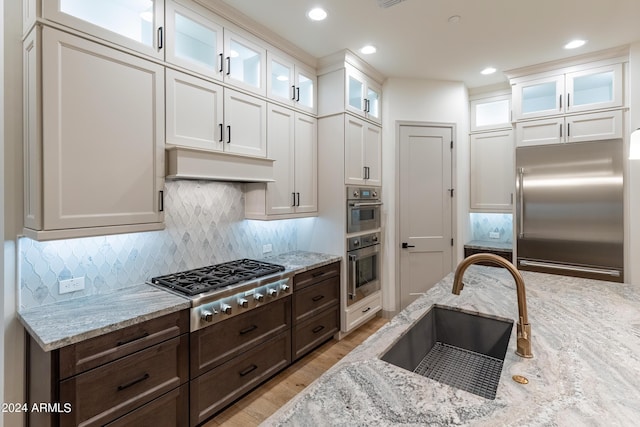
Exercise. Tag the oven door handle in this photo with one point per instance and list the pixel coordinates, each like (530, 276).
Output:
(354, 261)
(364, 204)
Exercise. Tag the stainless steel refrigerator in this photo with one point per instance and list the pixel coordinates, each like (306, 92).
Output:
(570, 209)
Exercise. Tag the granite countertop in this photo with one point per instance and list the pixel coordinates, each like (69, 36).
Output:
(584, 370)
(489, 244)
(64, 323)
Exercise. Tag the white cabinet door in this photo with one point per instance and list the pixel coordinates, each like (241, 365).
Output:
(540, 132)
(306, 89)
(372, 102)
(194, 39)
(363, 96)
(306, 163)
(245, 62)
(362, 151)
(245, 124)
(538, 98)
(194, 114)
(137, 25)
(103, 132)
(492, 171)
(576, 128)
(291, 83)
(595, 88)
(594, 126)
(490, 113)
(281, 197)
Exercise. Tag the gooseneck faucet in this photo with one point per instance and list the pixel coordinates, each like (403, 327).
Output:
(523, 328)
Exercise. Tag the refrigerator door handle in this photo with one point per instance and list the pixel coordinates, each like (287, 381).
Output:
(526, 263)
(521, 202)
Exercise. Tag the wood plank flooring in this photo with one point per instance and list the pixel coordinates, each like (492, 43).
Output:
(258, 405)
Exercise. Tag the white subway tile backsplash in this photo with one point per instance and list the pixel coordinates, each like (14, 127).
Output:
(204, 225)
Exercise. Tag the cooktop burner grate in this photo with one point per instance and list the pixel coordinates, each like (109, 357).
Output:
(204, 279)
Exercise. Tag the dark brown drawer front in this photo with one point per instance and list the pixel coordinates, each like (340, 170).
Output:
(171, 409)
(504, 254)
(112, 390)
(214, 345)
(313, 299)
(217, 388)
(310, 334)
(97, 351)
(316, 275)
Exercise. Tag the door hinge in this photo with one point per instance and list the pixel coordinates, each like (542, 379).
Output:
(451, 241)
(452, 144)
(451, 190)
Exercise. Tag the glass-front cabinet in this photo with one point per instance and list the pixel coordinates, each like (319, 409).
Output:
(291, 83)
(244, 63)
(136, 24)
(194, 40)
(363, 95)
(583, 90)
(490, 113)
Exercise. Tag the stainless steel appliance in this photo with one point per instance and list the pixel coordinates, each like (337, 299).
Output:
(364, 266)
(363, 209)
(569, 213)
(222, 291)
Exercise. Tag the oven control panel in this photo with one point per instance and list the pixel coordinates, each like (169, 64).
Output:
(229, 306)
(363, 193)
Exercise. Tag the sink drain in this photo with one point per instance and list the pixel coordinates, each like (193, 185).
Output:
(463, 369)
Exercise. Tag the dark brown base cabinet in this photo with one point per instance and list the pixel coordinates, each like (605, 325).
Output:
(506, 254)
(137, 373)
(316, 308)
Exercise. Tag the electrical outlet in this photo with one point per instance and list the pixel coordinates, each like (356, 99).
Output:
(494, 234)
(71, 285)
(267, 248)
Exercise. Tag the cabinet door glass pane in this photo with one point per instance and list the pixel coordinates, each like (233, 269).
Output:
(245, 64)
(374, 102)
(593, 88)
(540, 97)
(305, 85)
(195, 42)
(356, 88)
(281, 80)
(129, 18)
(492, 113)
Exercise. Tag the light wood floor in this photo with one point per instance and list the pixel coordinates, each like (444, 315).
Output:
(258, 405)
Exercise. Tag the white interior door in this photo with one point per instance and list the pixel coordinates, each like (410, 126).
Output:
(425, 208)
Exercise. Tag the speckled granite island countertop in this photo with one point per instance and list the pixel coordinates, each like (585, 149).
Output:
(61, 324)
(585, 369)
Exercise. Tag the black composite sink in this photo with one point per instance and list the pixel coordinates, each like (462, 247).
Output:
(456, 347)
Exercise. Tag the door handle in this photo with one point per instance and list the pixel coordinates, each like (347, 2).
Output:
(405, 245)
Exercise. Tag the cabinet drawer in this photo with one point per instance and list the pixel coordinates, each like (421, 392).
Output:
(310, 334)
(504, 254)
(218, 343)
(171, 409)
(97, 351)
(313, 299)
(112, 390)
(310, 277)
(214, 390)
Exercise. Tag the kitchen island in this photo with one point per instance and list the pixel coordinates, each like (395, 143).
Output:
(584, 370)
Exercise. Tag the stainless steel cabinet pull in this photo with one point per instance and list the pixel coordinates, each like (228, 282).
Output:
(354, 264)
(521, 202)
(614, 273)
(364, 204)
(133, 382)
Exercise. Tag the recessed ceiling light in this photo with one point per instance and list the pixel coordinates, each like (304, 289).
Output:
(368, 49)
(317, 14)
(573, 44)
(488, 70)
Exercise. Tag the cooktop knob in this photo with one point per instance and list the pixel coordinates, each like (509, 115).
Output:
(258, 297)
(356, 242)
(207, 315)
(284, 287)
(375, 194)
(243, 303)
(356, 194)
(272, 292)
(225, 308)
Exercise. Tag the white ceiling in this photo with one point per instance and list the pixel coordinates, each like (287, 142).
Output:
(415, 39)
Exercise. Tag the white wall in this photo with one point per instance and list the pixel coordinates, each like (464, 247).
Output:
(424, 101)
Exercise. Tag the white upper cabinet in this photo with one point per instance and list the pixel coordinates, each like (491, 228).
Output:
(135, 24)
(194, 40)
(362, 95)
(362, 152)
(576, 91)
(244, 63)
(245, 124)
(492, 171)
(291, 83)
(490, 113)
